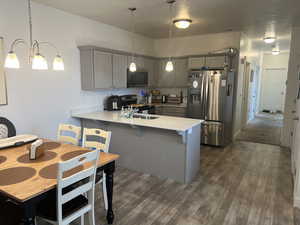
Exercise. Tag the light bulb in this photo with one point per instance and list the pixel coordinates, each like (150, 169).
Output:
(169, 66)
(12, 61)
(132, 67)
(269, 40)
(58, 63)
(275, 52)
(182, 23)
(39, 62)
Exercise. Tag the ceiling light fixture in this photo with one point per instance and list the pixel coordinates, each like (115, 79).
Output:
(269, 40)
(169, 65)
(182, 23)
(37, 61)
(275, 50)
(132, 66)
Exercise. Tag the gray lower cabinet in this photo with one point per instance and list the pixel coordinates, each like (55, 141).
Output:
(168, 110)
(120, 65)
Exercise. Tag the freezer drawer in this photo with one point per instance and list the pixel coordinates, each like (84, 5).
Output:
(212, 133)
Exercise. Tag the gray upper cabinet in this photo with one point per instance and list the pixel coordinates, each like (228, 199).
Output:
(165, 79)
(215, 61)
(151, 67)
(196, 63)
(120, 65)
(103, 70)
(181, 72)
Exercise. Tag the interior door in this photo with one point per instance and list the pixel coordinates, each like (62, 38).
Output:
(273, 98)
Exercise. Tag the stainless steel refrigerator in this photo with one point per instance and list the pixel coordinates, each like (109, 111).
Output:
(210, 97)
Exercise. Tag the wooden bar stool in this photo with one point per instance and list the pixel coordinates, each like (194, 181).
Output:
(68, 134)
(97, 139)
(7, 128)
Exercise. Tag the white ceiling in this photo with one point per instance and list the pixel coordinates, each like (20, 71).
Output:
(209, 16)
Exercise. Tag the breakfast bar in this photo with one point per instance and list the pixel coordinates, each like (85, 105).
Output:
(164, 146)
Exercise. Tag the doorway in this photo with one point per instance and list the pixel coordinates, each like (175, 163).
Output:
(264, 100)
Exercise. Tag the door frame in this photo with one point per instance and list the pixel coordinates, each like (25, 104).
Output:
(245, 93)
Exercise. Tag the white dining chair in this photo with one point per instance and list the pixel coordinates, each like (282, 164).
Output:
(100, 140)
(69, 134)
(72, 201)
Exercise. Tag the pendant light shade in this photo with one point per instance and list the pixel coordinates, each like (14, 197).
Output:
(169, 66)
(39, 62)
(58, 63)
(12, 61)
(132, 67)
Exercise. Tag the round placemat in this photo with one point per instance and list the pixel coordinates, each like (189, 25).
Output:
(2, 159)
(47, 155)
(50, 172)
(50, 145)
(73, 154)
(15, 175)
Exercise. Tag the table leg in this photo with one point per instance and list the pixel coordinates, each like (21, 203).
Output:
(109, 170)
(28, 213)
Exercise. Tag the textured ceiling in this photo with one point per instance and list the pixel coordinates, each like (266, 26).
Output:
(256, 17)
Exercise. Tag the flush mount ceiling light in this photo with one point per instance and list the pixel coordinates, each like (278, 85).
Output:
(37, 61)
(269, 40)
(182, 23)
(132, 66)
(275, 50)
(169, 65)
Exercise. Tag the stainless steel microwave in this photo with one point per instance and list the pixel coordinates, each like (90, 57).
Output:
(137, 79)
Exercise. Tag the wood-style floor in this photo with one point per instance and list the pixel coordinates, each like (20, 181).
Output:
(263, 129)
(244, 184)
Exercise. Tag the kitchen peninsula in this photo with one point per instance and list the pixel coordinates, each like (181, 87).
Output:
(164, 146)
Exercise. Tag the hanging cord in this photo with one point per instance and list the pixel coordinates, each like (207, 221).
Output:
(30, 22)
(133, 30)
(171, 24)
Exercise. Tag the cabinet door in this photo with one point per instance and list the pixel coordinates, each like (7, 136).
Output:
(196, 63)
(165, 79)
(102, 69)
(119, 71)
(152, 75)
(181, 72)
(215, 61)
(140, 63)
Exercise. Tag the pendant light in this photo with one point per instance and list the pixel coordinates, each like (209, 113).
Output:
(132, 66)
(169, 65)
(275, 50)
(36, 59)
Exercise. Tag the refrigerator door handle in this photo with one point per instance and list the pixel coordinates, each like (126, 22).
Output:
(229, 89)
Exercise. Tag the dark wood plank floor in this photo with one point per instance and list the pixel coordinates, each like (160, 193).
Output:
(244, 184)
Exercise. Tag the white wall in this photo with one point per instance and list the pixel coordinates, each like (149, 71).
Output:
(292, 87)
(38, 101)
(253, 56)
(278, 63)
(196, 45)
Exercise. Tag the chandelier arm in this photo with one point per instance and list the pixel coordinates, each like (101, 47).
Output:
(51, 45)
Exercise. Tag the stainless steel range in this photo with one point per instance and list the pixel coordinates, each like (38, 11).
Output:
(210, 97)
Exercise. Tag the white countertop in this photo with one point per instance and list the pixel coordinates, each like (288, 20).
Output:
(163, 122)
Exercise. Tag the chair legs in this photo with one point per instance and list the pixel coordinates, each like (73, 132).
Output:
(82, 220)
(92, 217)
(104, 192)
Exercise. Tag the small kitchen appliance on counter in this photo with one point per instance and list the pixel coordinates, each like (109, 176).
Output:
(113, 103)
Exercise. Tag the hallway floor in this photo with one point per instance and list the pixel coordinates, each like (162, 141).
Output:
(244, 184)
(265, 128)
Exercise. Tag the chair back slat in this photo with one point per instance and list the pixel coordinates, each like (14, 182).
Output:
(87, 176)
(68, 128)
(76, 192)
(92, 144)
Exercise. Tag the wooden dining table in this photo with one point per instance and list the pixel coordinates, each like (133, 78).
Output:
(26, 182)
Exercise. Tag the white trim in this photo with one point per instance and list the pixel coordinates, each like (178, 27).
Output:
(297, 202)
